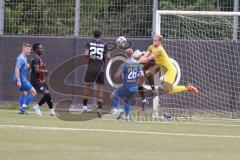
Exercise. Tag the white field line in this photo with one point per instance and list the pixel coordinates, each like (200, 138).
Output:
(200, 123)
(117, 131)
(182, 123)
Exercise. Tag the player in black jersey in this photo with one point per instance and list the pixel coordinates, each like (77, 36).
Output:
(96, 52)
(38, 71)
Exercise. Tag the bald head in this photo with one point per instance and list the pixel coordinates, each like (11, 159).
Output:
(128, 52)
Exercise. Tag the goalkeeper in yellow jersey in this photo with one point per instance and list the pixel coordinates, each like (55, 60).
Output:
(157, 52)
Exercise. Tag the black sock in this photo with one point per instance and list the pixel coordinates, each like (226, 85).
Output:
(100, 104)
(43, 100)
(49, 102)
(141, 92)
(153, 87)
(151, 82)
(85, 102)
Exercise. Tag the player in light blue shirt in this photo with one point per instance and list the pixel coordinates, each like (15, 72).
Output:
(132, 75)
(20, 79)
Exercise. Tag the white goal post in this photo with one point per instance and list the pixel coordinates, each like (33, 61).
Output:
(159, 13)
(206, 45)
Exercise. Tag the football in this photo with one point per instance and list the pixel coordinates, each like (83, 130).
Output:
(137, 54)
(121, 41)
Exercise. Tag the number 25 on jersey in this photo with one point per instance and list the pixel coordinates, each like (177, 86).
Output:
(96, 53)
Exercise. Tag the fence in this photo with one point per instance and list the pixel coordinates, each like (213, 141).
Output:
(131, 18)
(197, 5)
(206, 66)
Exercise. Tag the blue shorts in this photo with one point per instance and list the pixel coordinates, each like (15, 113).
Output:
(25, 86)
(125, 92)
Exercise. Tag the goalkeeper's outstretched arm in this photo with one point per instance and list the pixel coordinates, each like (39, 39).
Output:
(147, 57)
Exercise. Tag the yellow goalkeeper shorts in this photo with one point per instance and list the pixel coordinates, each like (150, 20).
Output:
(169, 75)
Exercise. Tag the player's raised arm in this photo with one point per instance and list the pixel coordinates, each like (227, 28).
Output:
(147, 57)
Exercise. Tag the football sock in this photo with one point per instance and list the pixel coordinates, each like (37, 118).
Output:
(141, 92)
(127, 109)
(49, 102)
(21, 100)
(178, 89)
(114, 101)
(46, 98)
(151, 82)
(100, 104)
(43, 100)
(27, 99)
(85, 102)
(143, 104)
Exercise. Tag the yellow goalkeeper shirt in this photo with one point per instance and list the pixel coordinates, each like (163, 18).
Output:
(161, 57)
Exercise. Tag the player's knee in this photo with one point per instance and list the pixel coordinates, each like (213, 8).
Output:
(33, 92)
(46, 92)
(24, 93)
(47, 95)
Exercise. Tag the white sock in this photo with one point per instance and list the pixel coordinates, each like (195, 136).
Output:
(51, 110)
(85, 107)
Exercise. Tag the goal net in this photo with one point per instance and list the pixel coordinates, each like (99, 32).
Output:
(206, 48)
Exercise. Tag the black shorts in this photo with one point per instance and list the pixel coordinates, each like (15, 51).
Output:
(40, 87)
(91, 77)
(94, 73)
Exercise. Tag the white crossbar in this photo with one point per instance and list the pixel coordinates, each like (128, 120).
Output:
(200, 13)
(159, 13)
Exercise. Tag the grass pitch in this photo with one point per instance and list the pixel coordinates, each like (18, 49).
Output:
(24, 137)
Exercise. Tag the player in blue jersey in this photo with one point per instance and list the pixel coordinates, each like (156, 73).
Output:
(20, 79)
(132, 76)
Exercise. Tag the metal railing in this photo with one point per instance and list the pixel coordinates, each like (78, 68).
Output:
(131, 18)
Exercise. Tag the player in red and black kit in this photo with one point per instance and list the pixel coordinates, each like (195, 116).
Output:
(96, 52)
(38, 72)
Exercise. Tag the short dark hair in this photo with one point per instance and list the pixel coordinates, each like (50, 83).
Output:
(36, 46)
(97, 33)
(129, 52)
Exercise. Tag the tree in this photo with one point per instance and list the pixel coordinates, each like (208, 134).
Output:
(131, 18)
(39, 17)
